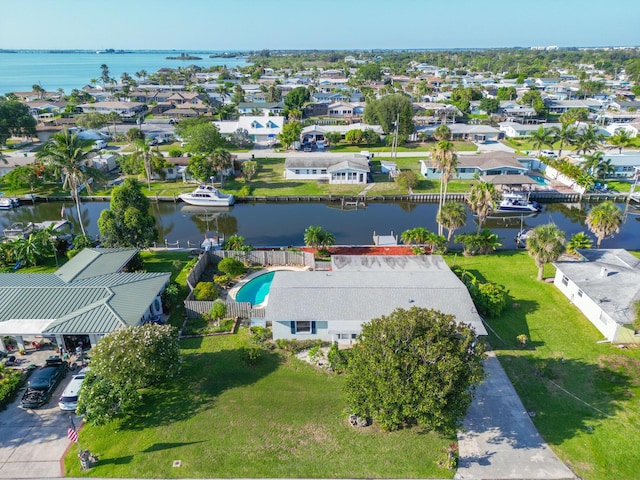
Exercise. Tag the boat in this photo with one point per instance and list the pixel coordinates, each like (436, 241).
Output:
(207, 196)
(19, 230)
(518, 203)
(7, 203)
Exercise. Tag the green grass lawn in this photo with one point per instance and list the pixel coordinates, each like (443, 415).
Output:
(598, 440)
(282, 418)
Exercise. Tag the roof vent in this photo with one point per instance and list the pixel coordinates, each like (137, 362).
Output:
(603, 272)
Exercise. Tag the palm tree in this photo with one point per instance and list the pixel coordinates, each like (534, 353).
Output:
(64, 153)
(445, 158)
(316, 236)
(113, 117)
(149, 157)
(604, 220)
(566, 135)
(235, 242)
(30, 250)
(588, 140)
(592, 161)
(452, 216)
(442, 132)
(621, 139)
(605, 169)
(543, 137)
(416, 236)
(545, 244)
(579, 241)
(221, 161)
(482, 199)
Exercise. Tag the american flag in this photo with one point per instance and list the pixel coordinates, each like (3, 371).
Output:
(72, 434)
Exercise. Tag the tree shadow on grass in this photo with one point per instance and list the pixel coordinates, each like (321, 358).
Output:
(156, 447)
(204, 376)
(566, 397)
(115, 461)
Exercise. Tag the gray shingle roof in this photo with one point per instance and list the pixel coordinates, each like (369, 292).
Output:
(360, 288)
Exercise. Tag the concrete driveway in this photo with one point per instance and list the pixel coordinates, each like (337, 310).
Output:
(499, 440)
(32, 442)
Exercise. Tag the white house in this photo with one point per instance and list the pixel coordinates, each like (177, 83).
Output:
(352, 169)
(332, 306)
(625, 164)
(515, 129)
(262, 129)
(104, 161)
(604, 285)
(266, 108)
(124, 109)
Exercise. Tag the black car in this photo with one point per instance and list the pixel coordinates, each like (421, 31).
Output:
(43, 382)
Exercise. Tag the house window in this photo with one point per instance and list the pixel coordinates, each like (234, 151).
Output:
(314, 172)
(303, 327)
(580, 293)
(565, 280)
(170, 171)
(323, 171)
(297, 171)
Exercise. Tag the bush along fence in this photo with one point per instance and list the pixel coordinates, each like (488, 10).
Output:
(245, 310)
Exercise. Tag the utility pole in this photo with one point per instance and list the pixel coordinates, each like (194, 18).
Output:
(394, 144)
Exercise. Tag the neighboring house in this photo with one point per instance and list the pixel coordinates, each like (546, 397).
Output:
(632, 130)
(340, 109)
(263, 129)
(516, 130)
(473, 166)
(104, 161)
(330, 97)
(512, 109)
(604, 287)
(315, 133)
(272, 108)
(332, 306)
(464, 132)
(624, 164)
(124, 109)
(561, 106)
(334, 169)
(85, 299)
(11, 162)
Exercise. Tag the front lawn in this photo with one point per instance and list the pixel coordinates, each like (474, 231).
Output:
(282, 418)
(583, 393)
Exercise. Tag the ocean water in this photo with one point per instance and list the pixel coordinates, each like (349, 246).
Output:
(20, 71)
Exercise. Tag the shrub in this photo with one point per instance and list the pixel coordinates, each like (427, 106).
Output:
(489, 298)
(260, 335)
(205, 291)
(9, 383)
(222, 280)
(296, 346)
(218, 310)
(245, 191)
(170, 295)
(251, 355)
(338, 359)
(175, 152)
(231, 266)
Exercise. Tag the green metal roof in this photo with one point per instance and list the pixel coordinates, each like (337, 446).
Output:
(90, 297)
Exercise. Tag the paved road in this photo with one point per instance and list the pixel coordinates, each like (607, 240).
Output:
(499, 439)
(32, 442)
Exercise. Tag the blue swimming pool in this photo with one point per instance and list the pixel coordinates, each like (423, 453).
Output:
(255, 290)
(541, 180)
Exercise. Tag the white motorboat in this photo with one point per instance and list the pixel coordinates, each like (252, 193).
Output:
(518, 203)
(207, 196)
(7, 203)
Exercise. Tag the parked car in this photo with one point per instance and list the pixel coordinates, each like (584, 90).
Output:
(99, 145)
(43, 382)
(69, 399)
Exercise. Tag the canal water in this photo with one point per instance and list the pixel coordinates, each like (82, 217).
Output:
(277, 224)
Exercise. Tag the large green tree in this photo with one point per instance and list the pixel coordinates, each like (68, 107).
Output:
(64, 154)
(604, 220)
(202, 138)
(296, 98)
(15, 120)
(387, 110)
(290, 134)
(123, 364)
(414, 366)
(545, 244)
(128, 221)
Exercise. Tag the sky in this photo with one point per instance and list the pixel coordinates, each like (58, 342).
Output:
(329, 24)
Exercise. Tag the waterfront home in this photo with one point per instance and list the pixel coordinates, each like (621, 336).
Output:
(472, 166)
(317, 133)
(88, 297)
(519, 130)
(348, 169)
(333, 305)
(562, 106)
(124, 109)
(603, 285)
(267, 108)
(262, 129)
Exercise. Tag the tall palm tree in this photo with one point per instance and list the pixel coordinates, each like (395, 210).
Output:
(543, 137)
(452, 216)
(113, 117)
(621, 139)
(316, 236)
(545, 244)
(605, 169)
(416, 236)
(445, 158)
(604, 220)
(482, 199)
(149, 158)
(566, 135)
(442, 132)
(588, 140)
(221, 160)
(64, 153)
(591, 162)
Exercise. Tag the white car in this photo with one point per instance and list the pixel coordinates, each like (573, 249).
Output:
(69, 398)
